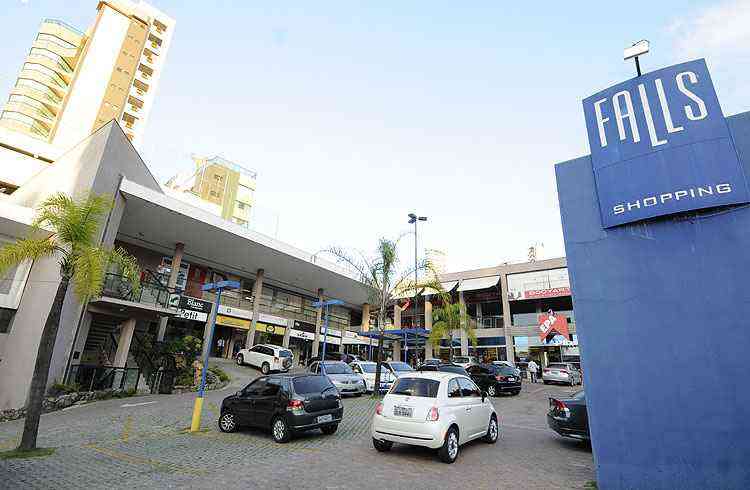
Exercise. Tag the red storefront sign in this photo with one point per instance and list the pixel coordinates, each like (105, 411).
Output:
(547, 293)
(549, 323)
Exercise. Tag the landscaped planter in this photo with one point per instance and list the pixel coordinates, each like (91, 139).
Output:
(54, 403)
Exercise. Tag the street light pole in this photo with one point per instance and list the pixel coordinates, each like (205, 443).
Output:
(195, 424)
(325, 305)
(413, 218)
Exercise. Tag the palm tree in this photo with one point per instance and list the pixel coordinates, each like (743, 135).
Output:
(384, 282)
(69, 230)
(447, 319)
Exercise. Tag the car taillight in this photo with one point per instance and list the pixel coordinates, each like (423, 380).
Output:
(563, 372)
(433, 415)
(379, 408)
(547, 370)
(500, 378)
(560, 405)
(295, 405)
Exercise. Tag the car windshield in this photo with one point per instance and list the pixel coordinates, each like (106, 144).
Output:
(460, 359)
(337, 368)
(452, 369)
(367, 368)
(557, 366)
(310, 384)
(400, 366)
(285, 353)
(427, 388)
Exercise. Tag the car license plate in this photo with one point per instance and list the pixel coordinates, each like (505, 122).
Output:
(325, 418)
(511, 379)
(402, 411)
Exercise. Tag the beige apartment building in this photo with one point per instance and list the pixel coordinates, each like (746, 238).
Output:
(218, 185)
(72, 83)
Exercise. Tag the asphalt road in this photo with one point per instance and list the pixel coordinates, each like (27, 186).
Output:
(143, 442)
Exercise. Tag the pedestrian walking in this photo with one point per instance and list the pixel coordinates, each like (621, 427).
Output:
(533, 369)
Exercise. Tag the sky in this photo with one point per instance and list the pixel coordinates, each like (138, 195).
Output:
(355, 114)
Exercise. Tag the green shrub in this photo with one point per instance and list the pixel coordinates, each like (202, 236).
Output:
(220, 373)
(58, 388)
(185, 377)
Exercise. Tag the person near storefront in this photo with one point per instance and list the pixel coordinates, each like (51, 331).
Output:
(533, 369)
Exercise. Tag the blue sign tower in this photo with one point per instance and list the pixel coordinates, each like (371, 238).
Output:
(661, 304)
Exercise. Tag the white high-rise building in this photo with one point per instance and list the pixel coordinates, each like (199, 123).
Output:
(72, 83)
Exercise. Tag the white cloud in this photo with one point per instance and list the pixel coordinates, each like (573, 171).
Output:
(720, 30)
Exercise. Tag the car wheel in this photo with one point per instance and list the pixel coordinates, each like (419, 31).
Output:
(240, 360)
(515, 393)
(546, 382)
(227, 422)
(265, 368)
(280, 430)
(493, 430)
(449, 452)
(491, 390)
(329, 429)
(382, 446)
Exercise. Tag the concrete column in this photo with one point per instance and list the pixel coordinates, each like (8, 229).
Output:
(318, 325)
(83, 333)
(397, 350)
(179, 248)
(365, 317)
(507, 319)
(464, 337)
(397, 316)
(127, 329)
(287, 333)
(257, 290)
(428, 326)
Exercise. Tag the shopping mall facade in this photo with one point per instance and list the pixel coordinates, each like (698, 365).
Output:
(179, 247)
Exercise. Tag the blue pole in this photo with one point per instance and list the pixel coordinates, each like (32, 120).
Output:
(210, 341)
(325, 339)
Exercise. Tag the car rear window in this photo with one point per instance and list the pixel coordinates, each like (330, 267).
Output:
(401, 366)
(453, 369)
(460, 359)
(505, 370)
(557, 366)
(285, 353)
(310, 384)
(427, 388)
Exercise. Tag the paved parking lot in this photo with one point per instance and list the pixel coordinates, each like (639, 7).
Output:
(142, 441)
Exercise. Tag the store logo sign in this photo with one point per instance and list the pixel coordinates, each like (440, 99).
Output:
(660, 145)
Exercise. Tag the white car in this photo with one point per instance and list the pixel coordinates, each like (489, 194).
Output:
(366, 369)
(464, 361)
(434, 409)
(266, 357)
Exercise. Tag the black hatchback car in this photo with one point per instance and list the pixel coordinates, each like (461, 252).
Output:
(445, 367)
(569, 417)
(496, 378)
(285, 405)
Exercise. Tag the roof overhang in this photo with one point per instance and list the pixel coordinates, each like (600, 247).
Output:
(157, 221)
(478, 283)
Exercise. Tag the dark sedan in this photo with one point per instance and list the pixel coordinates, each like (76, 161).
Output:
(285, 404)
(569, 416)
(445, 367)
(496, 378)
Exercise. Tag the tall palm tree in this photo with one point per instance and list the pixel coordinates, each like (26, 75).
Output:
(447, 319)
(69, 230)
(384, 282)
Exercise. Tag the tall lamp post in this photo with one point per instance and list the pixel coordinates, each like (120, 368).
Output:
(325, 305)
(413, 218)
(195, 425)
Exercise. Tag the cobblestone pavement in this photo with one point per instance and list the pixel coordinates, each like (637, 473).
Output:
(143, 441)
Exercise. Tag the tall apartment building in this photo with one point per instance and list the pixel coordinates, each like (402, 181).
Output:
(218, 185)
(72, 83)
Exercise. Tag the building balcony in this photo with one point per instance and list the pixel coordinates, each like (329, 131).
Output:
(151, 293)
(68, 53)
(59, 88)
(48, 98)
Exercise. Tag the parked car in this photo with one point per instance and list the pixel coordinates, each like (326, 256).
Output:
(284, 404)
(465, 361)
(445, 367)
(366, 369)
(330, 356)
(397, 368)
(496, 378)
(436, 410)
(562, 372)
(267, 357)
(431, 361)
(569, 416)
(509, 364)
(347, 382)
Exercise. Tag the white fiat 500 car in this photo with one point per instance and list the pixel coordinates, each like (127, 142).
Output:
(434, 409)
(366, 369)
(266, 357)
